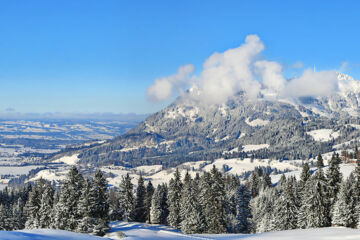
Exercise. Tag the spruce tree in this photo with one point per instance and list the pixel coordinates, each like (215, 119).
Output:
(33, 204)
(216, 220)
(140, 208)
(66, 210)
(99, 204)
(319, 162)
(46, 207)
(158, 210)
(126, 198)
(286, 209)
(174, 196)
(243, 210)
(342, 212)
(305, 175)
(334, 178)
(315, 209)
(149, 193)
(192, 219)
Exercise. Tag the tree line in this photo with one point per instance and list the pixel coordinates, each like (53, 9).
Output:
(208, 203)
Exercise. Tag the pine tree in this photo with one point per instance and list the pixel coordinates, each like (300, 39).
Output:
(46, 207)
(253, 184)
(149, 193)
(315, 209)
(262, 208)
(341, 213)
(243, 211)
(192, 219)
(126, 198)
(231, 186)
(99, 204)
(158, 209)
(216, 219)
(205, 196)
(87, 221)
(33, 204)
(320, 162)
(305, 175)
(174, 196)
(286, 209)
(66, 210)
(114, 205)
(334, 178)
(140, 208)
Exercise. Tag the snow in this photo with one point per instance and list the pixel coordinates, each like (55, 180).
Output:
(69, 160)
(323, 135)
(345, 169)
(257, 122)
(251, 147)
(135, 231)
(50, 175)
(46, 234)
(190, 113)
(17, 170)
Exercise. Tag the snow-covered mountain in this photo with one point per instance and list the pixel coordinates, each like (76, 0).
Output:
(267, 127)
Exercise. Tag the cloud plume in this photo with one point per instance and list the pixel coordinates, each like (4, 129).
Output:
(243, 69)
(164, 88)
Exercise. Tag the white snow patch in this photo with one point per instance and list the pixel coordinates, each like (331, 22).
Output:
(69, 160)
(257, 122)
(46, 234)
(50, 175)
(323, 135)
(251, 147)
(345, 170)
(135, 231)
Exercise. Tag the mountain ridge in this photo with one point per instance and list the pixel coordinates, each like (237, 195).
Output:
(189, 130)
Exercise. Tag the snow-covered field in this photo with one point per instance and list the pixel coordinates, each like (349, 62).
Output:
(45, 234)
(323, 135)
(345, 170)
(135, 231)
(138, 231)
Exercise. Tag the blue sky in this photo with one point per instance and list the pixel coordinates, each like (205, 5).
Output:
(101, 56)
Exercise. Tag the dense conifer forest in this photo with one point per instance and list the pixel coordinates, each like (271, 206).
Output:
(208, 203)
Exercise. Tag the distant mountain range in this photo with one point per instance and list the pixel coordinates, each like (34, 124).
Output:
(268, 127)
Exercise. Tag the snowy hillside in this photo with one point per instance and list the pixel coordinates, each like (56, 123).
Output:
(276, 127)
(135, 231)
(138, 231)
(45, 234)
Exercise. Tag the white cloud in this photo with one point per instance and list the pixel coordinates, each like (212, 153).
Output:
(272, 75)
(243, 69)
(227, 73)
(311, 83)
(163, 88)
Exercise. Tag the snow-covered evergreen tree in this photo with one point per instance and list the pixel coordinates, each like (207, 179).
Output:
(192, 219)
(33, 204)
(174, 197)
(148, 197)
(342, 212)
(334, 178)
(158, 210)
(66, 210)
(319, 162)
(304, 176)
(315, 209)
(126, 198)
(140, 208)
(46, 206)
(285, 208)
(243, 210)
(216, 215)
